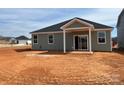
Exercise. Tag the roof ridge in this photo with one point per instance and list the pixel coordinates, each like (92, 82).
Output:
(93, 22)
(56, 27)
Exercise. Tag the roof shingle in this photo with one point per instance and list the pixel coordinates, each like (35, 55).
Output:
(22, 38)
(56, 27)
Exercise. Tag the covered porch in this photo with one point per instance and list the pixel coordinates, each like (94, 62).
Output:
(81, 36)
(81, 42)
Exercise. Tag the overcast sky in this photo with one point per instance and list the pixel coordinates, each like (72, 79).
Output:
(15, 22)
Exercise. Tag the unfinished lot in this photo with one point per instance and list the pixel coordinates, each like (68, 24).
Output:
(24, 66)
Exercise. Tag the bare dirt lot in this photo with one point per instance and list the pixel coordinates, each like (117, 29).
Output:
(24, 66)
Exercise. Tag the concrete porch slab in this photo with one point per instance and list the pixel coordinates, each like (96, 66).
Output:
(81, 52)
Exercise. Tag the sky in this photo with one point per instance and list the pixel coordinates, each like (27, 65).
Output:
(21, 21)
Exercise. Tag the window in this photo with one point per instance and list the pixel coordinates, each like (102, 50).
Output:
(35, 39)
(101, 37)
(50, 39)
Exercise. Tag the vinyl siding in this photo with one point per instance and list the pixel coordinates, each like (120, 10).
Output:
(101, 47)
(120, 32)
(76, 24)
(43, 42)
(22, 41)
(58, 42)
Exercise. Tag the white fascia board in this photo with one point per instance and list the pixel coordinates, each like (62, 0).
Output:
(103, 29)
(48, 32)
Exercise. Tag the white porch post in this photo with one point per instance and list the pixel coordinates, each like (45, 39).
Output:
(64, 41)
(90, 43)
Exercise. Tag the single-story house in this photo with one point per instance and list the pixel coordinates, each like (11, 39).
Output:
(73, 35)
(12, 40)
(23, 40)
(6, 40)
(120, 30)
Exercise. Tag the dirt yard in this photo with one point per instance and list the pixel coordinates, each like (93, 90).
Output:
(24, 66)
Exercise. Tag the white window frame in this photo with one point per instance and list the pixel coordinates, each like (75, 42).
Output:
(48, 38)
(99, 37)
(33, 39)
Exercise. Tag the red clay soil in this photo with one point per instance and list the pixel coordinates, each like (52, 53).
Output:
(24, 66)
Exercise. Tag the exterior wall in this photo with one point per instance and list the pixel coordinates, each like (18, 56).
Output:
(43, 42)
(22, 41)
(95, 45)
(76, 24)
(29, 42)
(58, 41)
(120, 32)
(101, 47)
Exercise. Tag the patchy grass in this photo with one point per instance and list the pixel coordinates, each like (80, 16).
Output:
(21, 65)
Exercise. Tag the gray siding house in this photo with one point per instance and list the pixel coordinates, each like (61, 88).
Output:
(73, 35)
(120, 30)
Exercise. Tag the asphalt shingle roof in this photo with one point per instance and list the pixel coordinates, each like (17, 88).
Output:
(56, 27)
(119, 18)
(22, 38)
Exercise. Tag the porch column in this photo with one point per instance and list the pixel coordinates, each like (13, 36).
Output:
(90, 43)
(64, 41)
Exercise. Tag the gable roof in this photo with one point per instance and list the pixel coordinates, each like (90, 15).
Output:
(57, 27)
(22, 38)
(119, 18)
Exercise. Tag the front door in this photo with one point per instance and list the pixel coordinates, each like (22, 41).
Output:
(81, 42)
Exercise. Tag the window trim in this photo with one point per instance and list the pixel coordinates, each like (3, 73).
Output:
(99, 37)
(48, 38)
(37, 39)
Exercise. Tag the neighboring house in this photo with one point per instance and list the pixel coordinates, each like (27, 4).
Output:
(120, 30)
(12, 40)
(74, 34)
(23, 40)
(6, 40)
